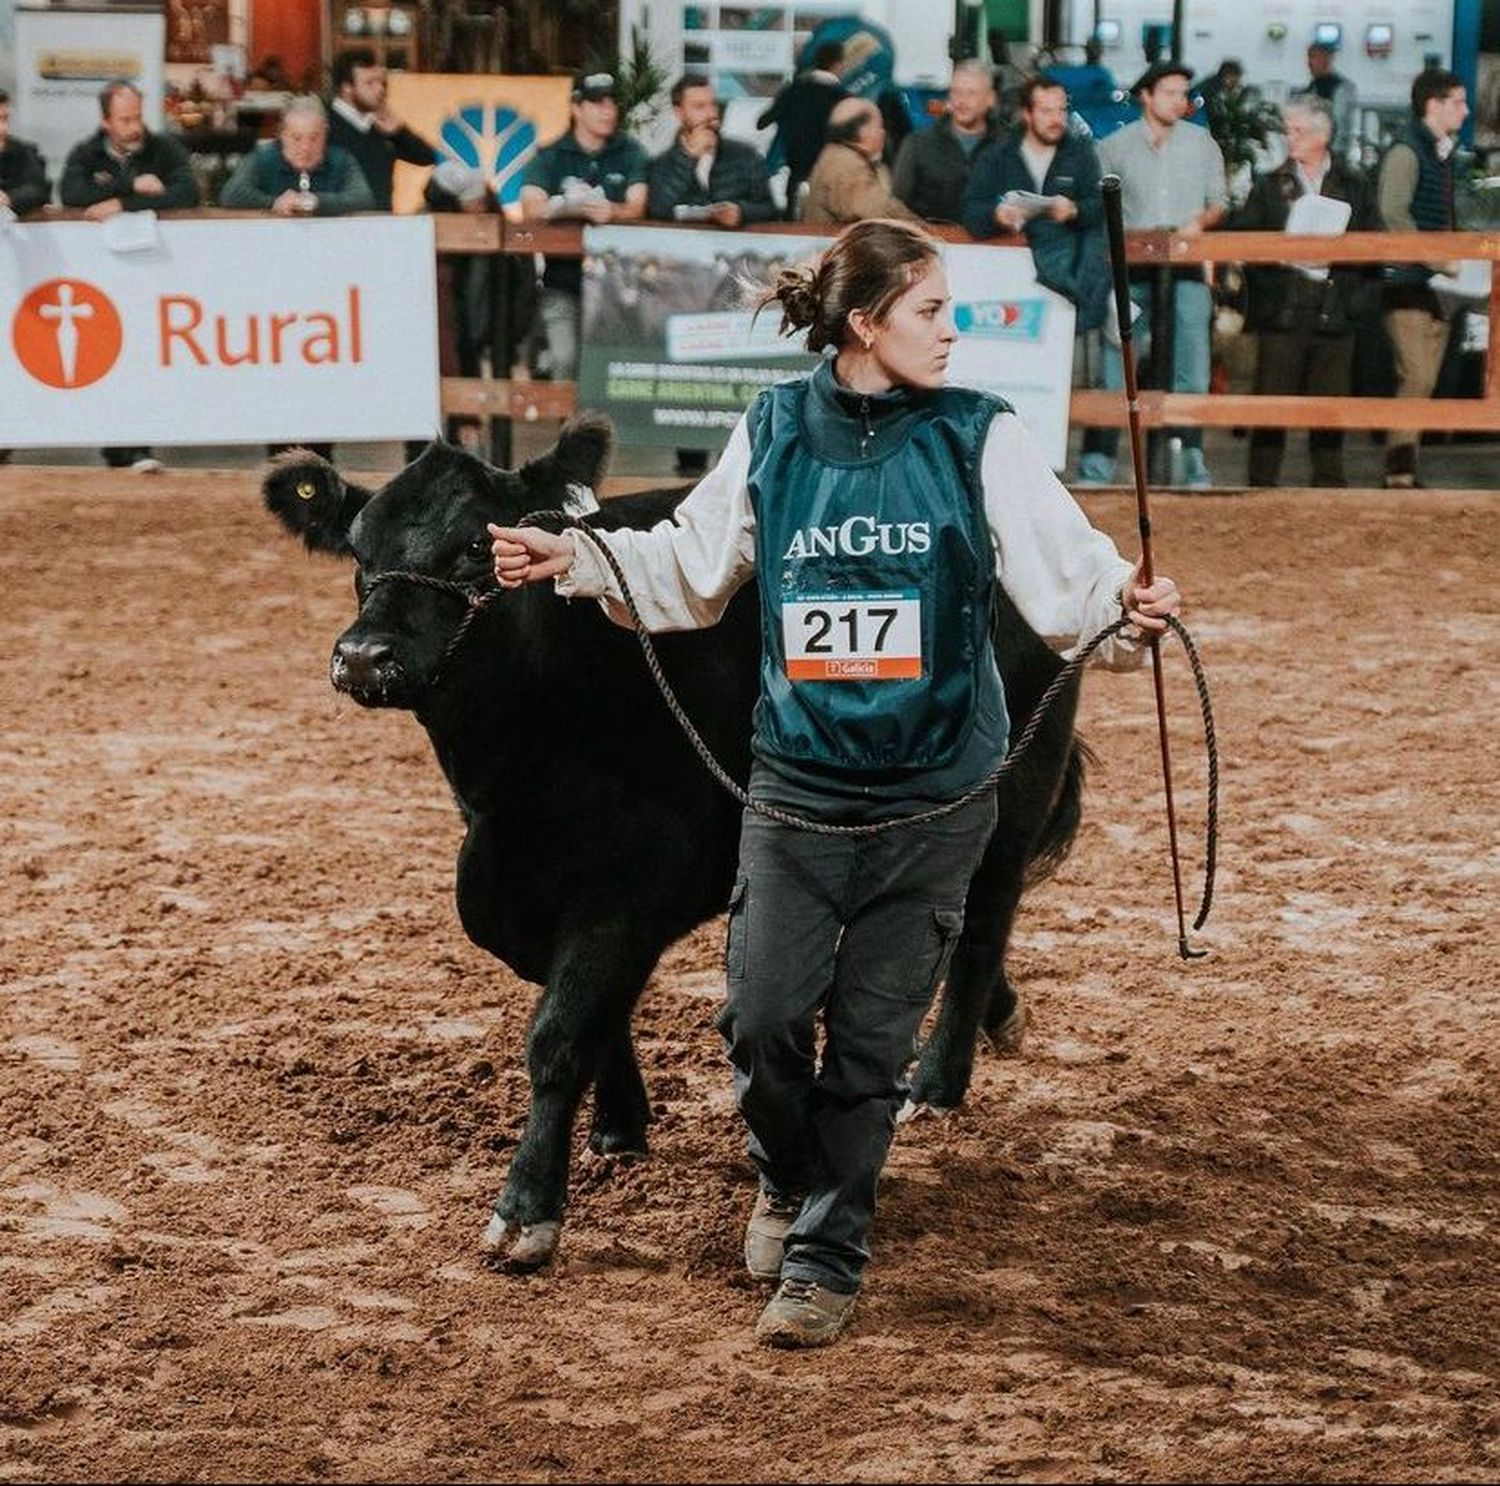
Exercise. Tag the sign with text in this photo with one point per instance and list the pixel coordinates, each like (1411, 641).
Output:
(65, 56)
(673, 353)
(220, 332)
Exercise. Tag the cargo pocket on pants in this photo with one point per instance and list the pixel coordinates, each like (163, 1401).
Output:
(734, 941)
(948, 924)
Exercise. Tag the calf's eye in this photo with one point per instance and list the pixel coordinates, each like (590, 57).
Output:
(479, 548)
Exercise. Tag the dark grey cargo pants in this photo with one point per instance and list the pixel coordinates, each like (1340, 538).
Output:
(860, 929)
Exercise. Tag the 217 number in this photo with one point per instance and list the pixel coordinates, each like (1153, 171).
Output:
(822, 623)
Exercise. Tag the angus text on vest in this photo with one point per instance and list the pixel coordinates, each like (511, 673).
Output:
(859, 536)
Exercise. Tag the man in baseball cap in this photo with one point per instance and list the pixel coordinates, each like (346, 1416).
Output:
(595, 173)
(592, 86)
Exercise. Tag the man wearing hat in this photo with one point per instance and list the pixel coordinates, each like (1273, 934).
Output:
(594, 173)
(1171, 176)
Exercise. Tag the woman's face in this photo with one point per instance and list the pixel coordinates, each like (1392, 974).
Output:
(911, 345)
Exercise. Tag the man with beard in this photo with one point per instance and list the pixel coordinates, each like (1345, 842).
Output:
(1046, 159)
(360, 122)
(1171, 177)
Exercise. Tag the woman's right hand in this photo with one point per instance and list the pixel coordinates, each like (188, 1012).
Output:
(527, 554)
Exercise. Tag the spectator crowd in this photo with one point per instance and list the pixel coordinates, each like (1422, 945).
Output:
(1019, 169)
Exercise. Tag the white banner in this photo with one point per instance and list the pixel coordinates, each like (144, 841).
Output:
(1015, 338)
(64, 58)
(218, 332)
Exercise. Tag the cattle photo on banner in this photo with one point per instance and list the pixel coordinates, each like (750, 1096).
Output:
(669, 348)
(673, 351)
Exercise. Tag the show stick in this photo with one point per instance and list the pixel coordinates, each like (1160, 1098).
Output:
(1115, 223)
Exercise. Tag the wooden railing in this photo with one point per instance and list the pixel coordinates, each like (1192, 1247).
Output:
(527, 401)
(530, 400)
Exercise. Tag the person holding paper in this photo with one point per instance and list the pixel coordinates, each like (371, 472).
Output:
(1043, 183)
(703, 177)
(597, 173)
(123, 167)
(1305, 315)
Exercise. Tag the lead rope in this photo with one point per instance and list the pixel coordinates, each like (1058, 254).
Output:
(479, 599)
(1016, 753)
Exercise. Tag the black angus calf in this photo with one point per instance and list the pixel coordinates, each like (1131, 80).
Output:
(595, 836)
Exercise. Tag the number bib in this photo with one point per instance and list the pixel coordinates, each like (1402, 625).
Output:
(853, 636)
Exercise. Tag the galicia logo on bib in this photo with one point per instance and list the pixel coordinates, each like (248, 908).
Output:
(859, 536)
(1002, 319)
(67, 333)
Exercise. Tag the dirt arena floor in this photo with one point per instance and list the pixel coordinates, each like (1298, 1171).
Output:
(1230, 1221)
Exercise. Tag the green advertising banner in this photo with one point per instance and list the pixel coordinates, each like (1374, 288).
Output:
(671, 349)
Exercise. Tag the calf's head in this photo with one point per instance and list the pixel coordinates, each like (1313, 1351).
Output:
(422, 553)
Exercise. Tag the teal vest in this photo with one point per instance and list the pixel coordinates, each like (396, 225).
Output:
(877, 576)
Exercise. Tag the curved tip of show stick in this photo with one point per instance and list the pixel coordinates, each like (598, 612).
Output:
(1187, 952)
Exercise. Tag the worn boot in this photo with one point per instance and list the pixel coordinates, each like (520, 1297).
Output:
(1401, 468)
(803, 1313)
(765, 1234)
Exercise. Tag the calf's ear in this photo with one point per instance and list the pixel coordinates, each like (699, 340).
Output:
(308, 497)
(580, 457)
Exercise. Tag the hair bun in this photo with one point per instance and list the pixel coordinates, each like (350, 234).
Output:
(797, 292)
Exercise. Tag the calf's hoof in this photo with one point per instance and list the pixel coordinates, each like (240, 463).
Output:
(620, 1143)
(521, 1247)
(913, 1108)
(1005, 1036)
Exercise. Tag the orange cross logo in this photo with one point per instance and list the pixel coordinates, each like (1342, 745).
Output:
(67, 333)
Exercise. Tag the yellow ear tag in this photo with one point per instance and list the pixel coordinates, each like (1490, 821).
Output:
(306, 489)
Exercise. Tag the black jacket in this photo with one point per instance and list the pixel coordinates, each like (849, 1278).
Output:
(738, 175)
(92, 174)
(932, 170)
(23, 176)
(376, 153)
(800, 112)
(1282, 298)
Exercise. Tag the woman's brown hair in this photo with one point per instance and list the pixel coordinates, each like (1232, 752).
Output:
(868, 267)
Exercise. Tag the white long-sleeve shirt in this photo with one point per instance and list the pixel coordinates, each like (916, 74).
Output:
(1063, 575)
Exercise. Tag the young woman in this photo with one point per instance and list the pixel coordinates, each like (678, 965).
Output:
(878, 507)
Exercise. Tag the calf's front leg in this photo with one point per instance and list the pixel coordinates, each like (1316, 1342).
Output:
(596, 978)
